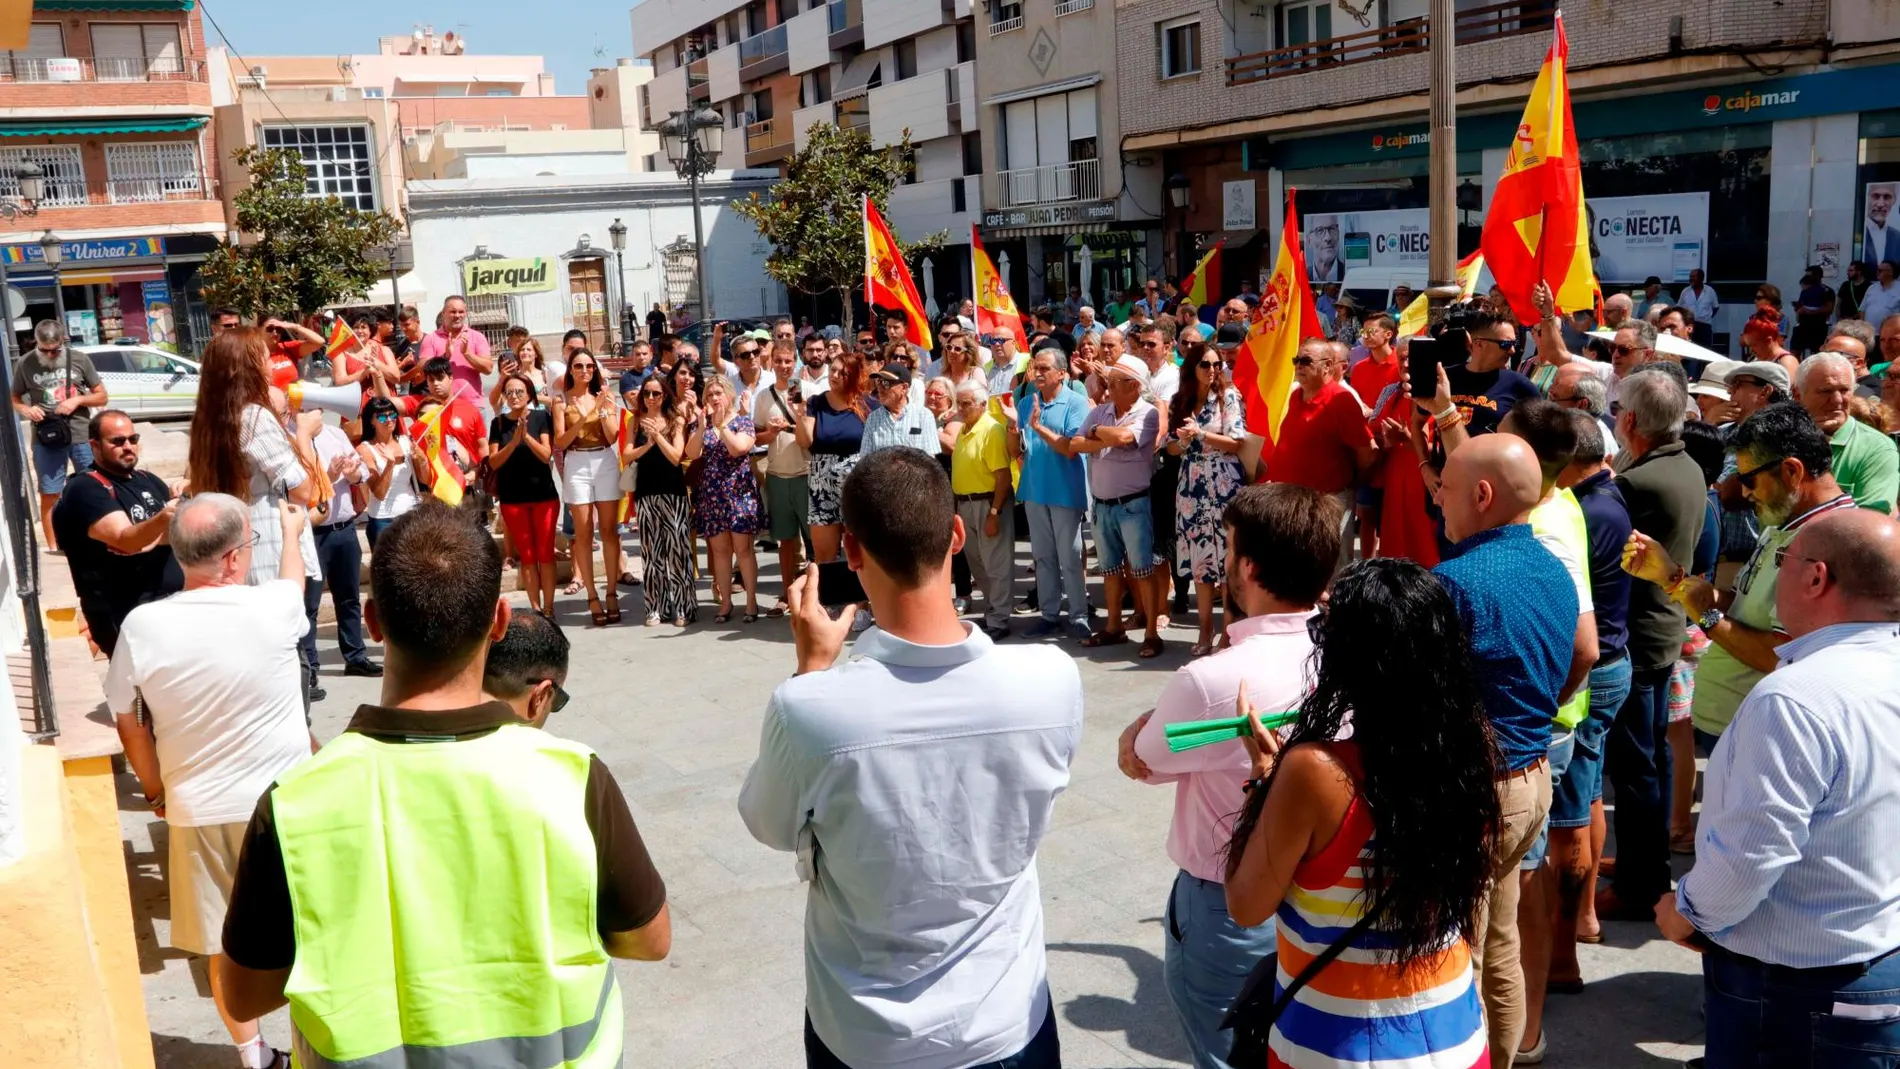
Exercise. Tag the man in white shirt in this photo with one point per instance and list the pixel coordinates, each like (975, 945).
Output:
(339, 564)
(787, 464)
(208, 701)
(1164, 377)
(1699, 298)
(915, 780)
(1883, 296)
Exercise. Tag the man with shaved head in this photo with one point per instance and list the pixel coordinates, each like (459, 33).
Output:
(1795, 893)
(1519, 608)
(1617, 311)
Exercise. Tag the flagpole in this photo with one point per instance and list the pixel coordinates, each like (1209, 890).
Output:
(1444, 160)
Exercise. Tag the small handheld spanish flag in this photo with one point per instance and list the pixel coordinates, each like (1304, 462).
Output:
(340, 338)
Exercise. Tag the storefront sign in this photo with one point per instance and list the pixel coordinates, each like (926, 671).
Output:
(160, 329)
(1237, 205)
(76, 252)
(83, 324)
(529, 275)
(1661, 234)
(1053, 215)
(1390, 239)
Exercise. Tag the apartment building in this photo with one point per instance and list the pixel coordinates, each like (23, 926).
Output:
(1060, 207)
(113, 102)
(1732, 136)
(773, 68)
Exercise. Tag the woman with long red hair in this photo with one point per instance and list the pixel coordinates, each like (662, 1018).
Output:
(246, 443)
(831, 427)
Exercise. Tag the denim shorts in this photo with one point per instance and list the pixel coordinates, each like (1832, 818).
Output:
(49, 462)
(1561, 747)
(1124, 536)
(1582, 783)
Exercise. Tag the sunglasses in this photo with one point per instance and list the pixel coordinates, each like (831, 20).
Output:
(1508, 345)
(560, 695)
(1621, 348)
(1302, 361)
(123, 439)
(1215, 364)
(1747, 478)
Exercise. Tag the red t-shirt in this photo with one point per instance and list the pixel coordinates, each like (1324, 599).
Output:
(283, 365)
(1369, 377)
(462, 422)
(1318, 439)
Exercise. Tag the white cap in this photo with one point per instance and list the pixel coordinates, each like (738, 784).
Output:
(1131, 367)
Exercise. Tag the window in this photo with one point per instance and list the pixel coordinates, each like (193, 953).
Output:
(498, 92)
(972, 153)
(966, 41)
(372, 92)
(1180, 47)
(905, 54)
(65, 175)
(959, 197)
(109, 363)
(44, 42)
(816, 88)
(339, 160)
(134, 51)
(762, 105)
(148, 171)
(1305, 21)
(1006, 17)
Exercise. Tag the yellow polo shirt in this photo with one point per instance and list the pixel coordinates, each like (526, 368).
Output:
(982, 450)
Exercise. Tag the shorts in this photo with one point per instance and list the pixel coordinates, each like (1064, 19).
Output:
(1161, 505)
(788, 505)
(827, 488)
(1682, 675)
(531, 525)
(49, 462)
(1124, 537)
(1581, 784)
(591, 476)
(1371, 498)
(203, 865)
(1561, 748)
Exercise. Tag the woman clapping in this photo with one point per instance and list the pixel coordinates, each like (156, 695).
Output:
(519, 448)
(659, 500)
(587, 426)
(725, 497)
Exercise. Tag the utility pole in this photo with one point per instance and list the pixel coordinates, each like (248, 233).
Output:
(1444, 173)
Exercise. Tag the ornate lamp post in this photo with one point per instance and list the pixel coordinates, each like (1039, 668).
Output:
(617, 236)
(54, 252)
(21, 522)
(692, 141)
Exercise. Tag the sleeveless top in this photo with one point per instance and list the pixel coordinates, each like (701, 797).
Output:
(1363, 1010)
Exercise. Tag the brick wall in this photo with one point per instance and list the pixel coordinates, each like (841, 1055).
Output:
(1601, 32)
(190, 90)
(102, 214)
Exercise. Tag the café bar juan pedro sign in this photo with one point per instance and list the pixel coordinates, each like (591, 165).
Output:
(534, 274)
(1054, 215)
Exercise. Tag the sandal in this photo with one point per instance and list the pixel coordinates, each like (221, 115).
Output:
(1105, 638)
(1682, 842)
(653, 619)
(751, 617)
(594, 610)
(613, 605)
(1200, 649)
(573, 587)
(627, 579)
(1152, 647)
(723, 617)
(780, 608)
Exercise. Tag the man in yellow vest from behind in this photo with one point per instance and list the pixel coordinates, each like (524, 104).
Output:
(442, 883)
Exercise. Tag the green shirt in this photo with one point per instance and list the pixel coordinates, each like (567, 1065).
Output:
(1867, 465)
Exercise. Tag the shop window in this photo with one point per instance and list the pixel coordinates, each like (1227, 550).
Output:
(1180, 47)
(135, 51)
(338, 161)
(45, 41)
(65, 175)
(1731, 164)
(139, 172)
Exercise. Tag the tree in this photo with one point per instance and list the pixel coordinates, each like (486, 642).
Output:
(306, 252)
(814, 219)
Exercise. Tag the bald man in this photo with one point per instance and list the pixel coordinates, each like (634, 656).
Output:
(1519, 608)
(1617, 310)
(1795, 893)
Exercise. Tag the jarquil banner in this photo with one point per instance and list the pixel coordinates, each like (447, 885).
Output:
(528, 275)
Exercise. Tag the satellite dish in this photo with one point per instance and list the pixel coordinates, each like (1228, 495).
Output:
(16, 302)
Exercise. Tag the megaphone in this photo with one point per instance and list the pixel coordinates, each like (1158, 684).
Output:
(345, 401)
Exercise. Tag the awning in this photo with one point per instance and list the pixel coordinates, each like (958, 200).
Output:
(1043, 90)
(111, 126)
(408, 287)
(113, 5)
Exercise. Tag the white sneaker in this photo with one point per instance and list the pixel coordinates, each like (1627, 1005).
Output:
(861, 622)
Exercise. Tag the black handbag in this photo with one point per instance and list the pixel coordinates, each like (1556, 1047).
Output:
(1255, 1010)
(53, 431)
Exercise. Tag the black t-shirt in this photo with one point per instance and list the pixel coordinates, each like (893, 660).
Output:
(111, 584)
(1486, 396)
(525, 478)
(658, 475)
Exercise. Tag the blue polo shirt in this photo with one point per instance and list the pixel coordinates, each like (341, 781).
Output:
(1608, 521)
(1048, 477)
(1520, 645)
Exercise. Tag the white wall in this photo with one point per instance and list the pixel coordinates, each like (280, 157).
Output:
(722, 73)
(917, 104)
(667, 92)
(939, 159)
(937, 49)
(807, 40)
(1810, 199)
(804, 118)
(923, 208)
(562, 164)
(893, 20)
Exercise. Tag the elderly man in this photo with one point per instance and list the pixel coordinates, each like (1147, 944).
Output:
(898, 420)
(1577, 387)
(207, 694)
(1856, 339)
(1053, 490)
(1865, 460)
(1086, 323)
(980, 479)
(1121, 434)
(1633, 346)
(1324, 443)
(113, 521)
(1617, 311)
(1795, 894)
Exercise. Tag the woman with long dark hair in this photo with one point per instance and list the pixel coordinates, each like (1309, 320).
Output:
(1396, 823)
(587, 426)
(1209, 427)
(246, 443)
(831, 427)
(660, 501)
(519, 451)
(386, 453)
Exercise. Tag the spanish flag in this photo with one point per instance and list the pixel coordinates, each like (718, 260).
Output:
(1417, 315)
(340, 338)
(887, 282)
(444, 483)
(1263, 372)
(1537, 227)
(995, 309)
(1203, 283)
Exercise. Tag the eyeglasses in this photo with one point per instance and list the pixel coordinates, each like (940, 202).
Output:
(386, 417)
(1783, 554)
(651, 393)
(1619, 347)
(1303, 361)
(1747, 478)
(1151, 343)
(246, 544)
(123, 439)
(560, 695)
(1508, 345)
(1212, 364)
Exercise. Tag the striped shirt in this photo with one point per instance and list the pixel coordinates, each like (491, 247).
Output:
(916, 428)
(1795, 862)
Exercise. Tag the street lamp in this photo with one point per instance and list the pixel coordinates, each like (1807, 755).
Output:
(1179, 186)
(51, 252)
(19, 513)
(617, 236)
(692, 141)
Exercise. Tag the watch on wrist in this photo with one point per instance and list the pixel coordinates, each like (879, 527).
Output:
(1708, 620)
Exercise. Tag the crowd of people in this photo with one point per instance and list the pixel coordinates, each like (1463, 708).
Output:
(1580, 563)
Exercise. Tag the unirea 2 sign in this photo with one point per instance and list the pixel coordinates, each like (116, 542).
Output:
(527, 275)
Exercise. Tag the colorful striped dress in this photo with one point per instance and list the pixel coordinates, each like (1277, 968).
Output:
(1362, 1011)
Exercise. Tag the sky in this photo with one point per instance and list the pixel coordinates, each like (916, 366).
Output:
(585, 34)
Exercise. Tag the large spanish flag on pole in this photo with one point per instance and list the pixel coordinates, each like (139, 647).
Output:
(887, 282)
(1263, 371)
(1536, 227)
(995, 309)
(1203, 283)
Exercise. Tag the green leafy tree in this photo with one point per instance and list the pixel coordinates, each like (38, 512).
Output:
(813, 217)
(304, 253)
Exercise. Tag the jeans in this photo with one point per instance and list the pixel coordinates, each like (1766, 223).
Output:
(340, 565)
(1637, 759)
(1207, 960)
(375, 529)
(1523, 806)
(49, 463)
(1044, 1050)
(1762, 1015)
(1582, 783)
(1562, 748)
(1125, 535)
(1055, 541)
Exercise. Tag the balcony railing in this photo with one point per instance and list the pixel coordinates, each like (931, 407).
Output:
(153, 190)
(1070, 7)
(767, 134)
(844, 23)
(1008, 17)
(761, 46)
(100, 69)
(1050, 184)
(855, 113)
(1414, 35)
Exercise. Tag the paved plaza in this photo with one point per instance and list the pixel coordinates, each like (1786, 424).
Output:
(676, 717)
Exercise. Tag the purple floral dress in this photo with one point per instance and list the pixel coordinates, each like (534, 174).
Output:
(725, 499)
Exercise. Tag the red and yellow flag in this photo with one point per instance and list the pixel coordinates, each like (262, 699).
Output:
(1417, 315)
(444, 481)
(1203, 283)
(340, 338)
(1536, 227)
(995, 309)
(1263, 372)
(887, 282)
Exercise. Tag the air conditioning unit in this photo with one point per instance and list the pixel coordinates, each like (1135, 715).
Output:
(258, 75)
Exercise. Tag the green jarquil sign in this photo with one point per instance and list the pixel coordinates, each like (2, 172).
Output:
(528, 275)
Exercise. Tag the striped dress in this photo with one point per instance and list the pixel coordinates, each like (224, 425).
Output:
(1362, 1011)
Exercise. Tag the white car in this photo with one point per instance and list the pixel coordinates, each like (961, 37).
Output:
(144, 382)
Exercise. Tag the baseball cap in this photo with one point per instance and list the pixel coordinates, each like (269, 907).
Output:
(1131, 367)
(832, 333)
(1766, 372)
(1231, 336)
(887, 378)
(759, 334)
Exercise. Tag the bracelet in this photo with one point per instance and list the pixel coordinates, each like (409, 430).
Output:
(1450, 412)
(1676, 581)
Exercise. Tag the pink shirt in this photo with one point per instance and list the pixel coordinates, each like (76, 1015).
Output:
(1268, 652)
(437, 343)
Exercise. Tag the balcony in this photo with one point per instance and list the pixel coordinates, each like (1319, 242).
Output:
(100, 69)
(698, 82)
(1006, 17)
(846, 21)
(854, 113)
(1471, 26)
(762, 54)
(768, 141)
(1070, 7)
(1054, 183)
